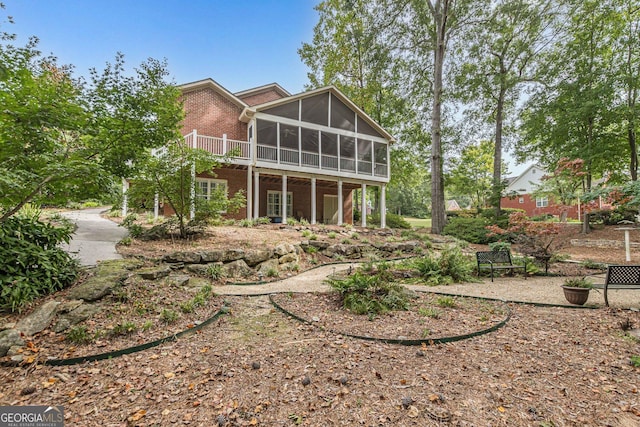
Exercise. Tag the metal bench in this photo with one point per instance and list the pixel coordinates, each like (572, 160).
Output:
(621, 277)
(497, 260)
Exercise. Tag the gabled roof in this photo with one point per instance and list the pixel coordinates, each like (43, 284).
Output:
(250, 111)
(261, 89)
(210, 83)
(514, 182)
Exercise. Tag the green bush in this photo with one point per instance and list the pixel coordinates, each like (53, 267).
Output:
(372, 294)
(31, 263)
(451, 266)
(472, 230)
(613, 216)
(392, 220)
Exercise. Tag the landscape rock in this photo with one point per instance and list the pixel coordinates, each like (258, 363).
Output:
(117, 266)
(185, 257)
(199, 269)
(178, 280)
(68, 306)
(75, 316)
(237, 268)
(222, 255)
(268, 265)
(320, 244)
(284, 248)
(94, 288)
(256, 256)
(288, 258)
(9, 338)
(39, 320)
(155, 273)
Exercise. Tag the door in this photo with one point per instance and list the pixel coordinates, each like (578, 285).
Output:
(330, 209)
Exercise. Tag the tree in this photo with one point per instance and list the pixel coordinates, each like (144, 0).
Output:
(472, 174)
(564, 185)
(61, 139)
(500, 57)
(168, 173)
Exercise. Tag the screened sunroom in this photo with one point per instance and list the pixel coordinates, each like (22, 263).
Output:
(319, 132)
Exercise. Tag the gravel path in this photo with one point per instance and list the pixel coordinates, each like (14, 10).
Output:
(543, 290)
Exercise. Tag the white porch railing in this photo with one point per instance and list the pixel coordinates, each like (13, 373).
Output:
(381, 169)
(289, 156)
(267, 153)
(223, 146)
(364, 167)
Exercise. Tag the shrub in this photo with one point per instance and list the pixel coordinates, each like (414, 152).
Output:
(79, 335)
(135, 230)
(473, 230)
(446, 302)
(214, 271)
(32, 263)
(169, 316)
(372, 294)
(332, 235)
(392, 220)
(451, 266)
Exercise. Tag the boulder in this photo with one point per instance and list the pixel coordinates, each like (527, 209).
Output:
(9, 338)
(237, 268)
(154, 273)
(39, 320)
(94, 288)
(199, 269)
(185, 257)
(288, 258)
(222, 255)
(256, 256)
(177, 280)
(284, 248)
(320, 244)
(75, 316)
(265, 267)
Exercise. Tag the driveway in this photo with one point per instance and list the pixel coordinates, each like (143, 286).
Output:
(95, 238)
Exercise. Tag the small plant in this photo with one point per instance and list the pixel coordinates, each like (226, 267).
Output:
(303, 222)
(292, 221)
(306, 233)
(129, 222)
(79, 335)
(426, 332)
(125, 241)
(446, 302)
(124, 328)
(332, 235)
(187, 306)
(246, 223)
(500, 245)
(311, 249)
(169, 316)
(263, 220)
(635, 361)
(431, 312)
(581, 282)
(150, 218)
(147, 325)
(272, 272)
(593, 265)
(214, 271)
(345, 241)
(313, 237)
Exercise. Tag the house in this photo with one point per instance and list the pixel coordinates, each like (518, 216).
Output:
(518, 195)
(315, 147)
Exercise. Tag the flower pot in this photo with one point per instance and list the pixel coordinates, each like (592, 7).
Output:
(577, 296)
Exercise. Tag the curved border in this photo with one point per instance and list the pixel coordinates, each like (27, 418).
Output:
(128, 350)
(409, 342)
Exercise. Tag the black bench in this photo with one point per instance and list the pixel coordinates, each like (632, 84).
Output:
(497, 260)
(620, 277)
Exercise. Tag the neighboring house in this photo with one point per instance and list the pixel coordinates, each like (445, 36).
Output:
(315, 147)
(453, 205)
(518, 195)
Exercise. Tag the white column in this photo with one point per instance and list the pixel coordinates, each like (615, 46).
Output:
(125, 198)
(363, 205)
(256, 194)
(340, 204)
(283, 200)
(224, 143)
(313, 201)
(383, 206)
(192, 213)
(249, 191)
(156, 207)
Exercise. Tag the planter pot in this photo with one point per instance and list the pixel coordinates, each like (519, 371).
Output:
(577, 296)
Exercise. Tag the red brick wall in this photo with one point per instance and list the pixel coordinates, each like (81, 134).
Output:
(261, 97)
(212, 114)
(529, 206)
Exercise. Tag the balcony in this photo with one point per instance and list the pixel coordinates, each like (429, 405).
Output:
(291, 159)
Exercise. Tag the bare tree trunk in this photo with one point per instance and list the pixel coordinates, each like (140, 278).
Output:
(438, 217)
(497, 154)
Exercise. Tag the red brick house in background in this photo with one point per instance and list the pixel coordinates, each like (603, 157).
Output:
(315, 147)
(518, 195)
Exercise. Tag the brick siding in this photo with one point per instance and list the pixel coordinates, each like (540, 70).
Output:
(212, 114)
(261, 97)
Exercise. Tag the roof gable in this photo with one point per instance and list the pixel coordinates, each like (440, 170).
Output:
(212, 84)
(527, 181)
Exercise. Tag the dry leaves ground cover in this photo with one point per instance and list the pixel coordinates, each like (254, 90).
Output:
(548, 366)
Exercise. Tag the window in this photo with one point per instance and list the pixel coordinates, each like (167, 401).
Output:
(521, 200)
(542, 202)
(274, 202)
(205, 187)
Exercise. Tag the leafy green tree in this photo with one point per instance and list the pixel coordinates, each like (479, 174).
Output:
(61, 139)
(564, 185)
(169, 174)
(472, 174)
(499, 58)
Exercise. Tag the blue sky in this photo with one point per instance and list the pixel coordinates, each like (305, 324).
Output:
(239, 43)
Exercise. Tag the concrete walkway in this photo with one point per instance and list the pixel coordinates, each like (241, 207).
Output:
(95, 237)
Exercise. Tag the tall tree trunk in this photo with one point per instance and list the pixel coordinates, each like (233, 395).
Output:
(438, 217)
(497, 154)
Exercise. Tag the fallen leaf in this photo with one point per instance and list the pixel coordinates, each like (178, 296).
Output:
(501, 409)
(169, 375)
(137, 416)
